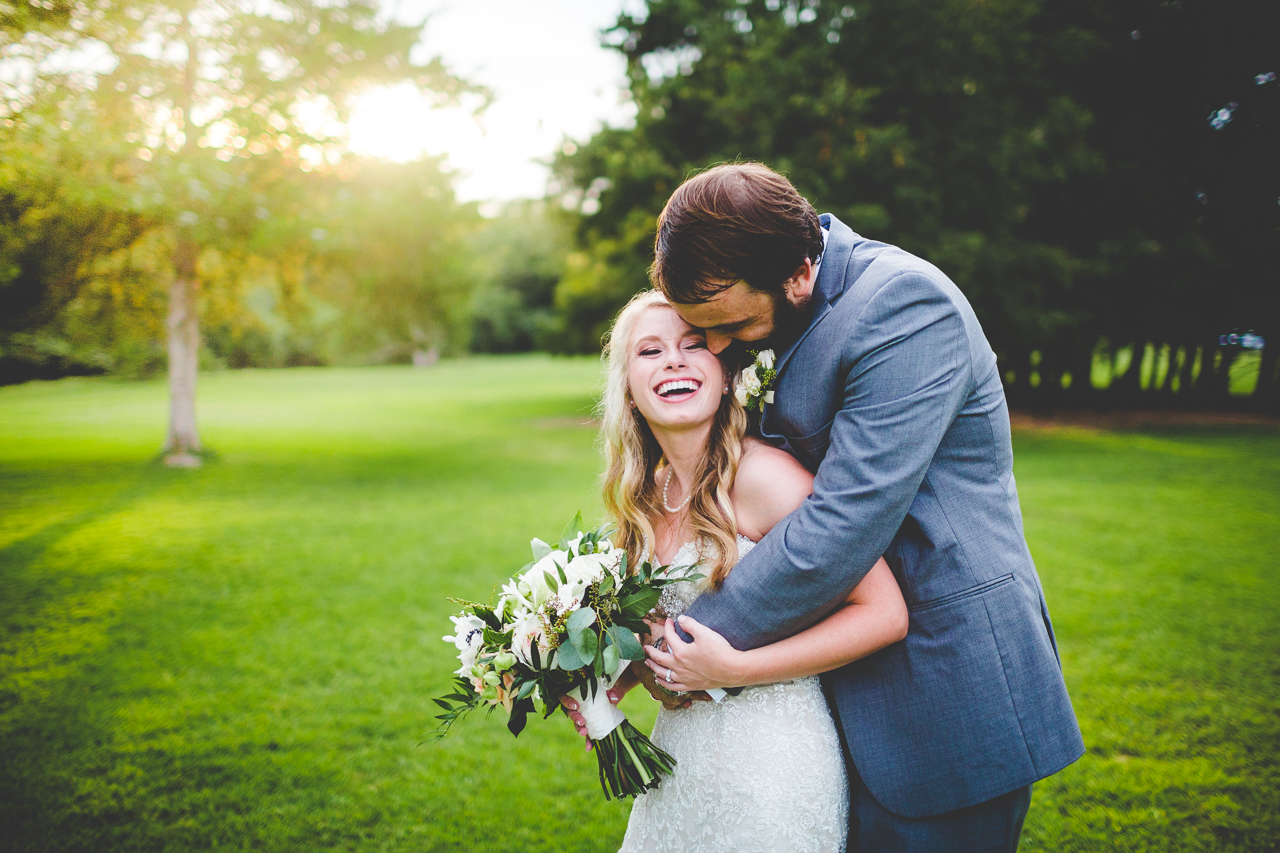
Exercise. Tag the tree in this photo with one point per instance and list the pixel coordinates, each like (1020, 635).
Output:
(929, 124)
(392, 248)
(198, 110)
(1059, 159)
(521, 257)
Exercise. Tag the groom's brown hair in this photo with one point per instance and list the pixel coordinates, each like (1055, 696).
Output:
(737, 222)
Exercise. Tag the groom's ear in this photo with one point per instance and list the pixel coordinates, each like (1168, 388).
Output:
(800, 285)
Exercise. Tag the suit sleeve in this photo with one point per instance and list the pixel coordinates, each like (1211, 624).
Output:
(908, 369)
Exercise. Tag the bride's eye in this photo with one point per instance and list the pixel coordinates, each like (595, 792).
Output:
(697, 344)
(649, 351)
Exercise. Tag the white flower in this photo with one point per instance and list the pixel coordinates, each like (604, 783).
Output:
(750, 381)
(527, 630)
(514, 600)
(742, 395)
(468, 640)
(534, 582)
(765, 359)
(580, 573)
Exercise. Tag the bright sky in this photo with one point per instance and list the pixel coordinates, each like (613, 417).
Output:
(550, 78)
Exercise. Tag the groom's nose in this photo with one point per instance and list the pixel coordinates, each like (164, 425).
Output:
(717, 341)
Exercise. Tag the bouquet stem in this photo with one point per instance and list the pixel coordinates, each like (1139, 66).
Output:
(629, 762)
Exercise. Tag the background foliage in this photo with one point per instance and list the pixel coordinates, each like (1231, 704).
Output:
(1054, 157)
(1098, 177)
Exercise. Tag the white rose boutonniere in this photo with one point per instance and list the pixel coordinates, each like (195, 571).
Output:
(755, 386)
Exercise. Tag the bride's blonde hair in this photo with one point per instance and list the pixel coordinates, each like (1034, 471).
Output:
(632, 456)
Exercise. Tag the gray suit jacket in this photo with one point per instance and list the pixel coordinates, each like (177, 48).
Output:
(893, 398)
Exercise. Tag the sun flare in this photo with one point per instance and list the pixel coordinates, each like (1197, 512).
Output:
(400, 123)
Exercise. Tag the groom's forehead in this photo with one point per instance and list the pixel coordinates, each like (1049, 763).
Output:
(731, 306)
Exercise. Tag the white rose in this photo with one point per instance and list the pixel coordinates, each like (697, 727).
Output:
(535, 579)
(741, 394)
(581, 573)
(584, 571)
(765, 358)
(750, 381)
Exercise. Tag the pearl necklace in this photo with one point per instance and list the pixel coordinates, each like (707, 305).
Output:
(666, 486)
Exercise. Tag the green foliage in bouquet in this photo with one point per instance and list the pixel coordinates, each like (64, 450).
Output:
(565, 624)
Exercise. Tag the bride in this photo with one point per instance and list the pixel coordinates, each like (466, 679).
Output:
(686, 486)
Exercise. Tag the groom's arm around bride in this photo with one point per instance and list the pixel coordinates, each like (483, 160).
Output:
(888, 390)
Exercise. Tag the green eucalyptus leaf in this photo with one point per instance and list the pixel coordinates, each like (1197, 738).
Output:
(540, 549)
(586, 643)
(610, 657)
(568, 659)
(580, 619)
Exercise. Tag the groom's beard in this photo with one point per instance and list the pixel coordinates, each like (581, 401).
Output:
(789, 321)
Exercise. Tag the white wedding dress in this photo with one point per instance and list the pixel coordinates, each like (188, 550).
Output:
(757, 772)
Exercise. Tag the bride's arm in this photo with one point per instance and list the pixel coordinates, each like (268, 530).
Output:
(769, 486)
(874, 616)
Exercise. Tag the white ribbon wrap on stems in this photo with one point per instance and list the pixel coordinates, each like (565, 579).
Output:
(601, 715)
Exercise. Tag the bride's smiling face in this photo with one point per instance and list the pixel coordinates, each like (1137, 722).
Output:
(675, 381)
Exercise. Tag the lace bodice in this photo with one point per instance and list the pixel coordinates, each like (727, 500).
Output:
(760, 772)
(677, 597)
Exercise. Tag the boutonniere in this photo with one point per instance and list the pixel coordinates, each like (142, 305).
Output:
(756, 383)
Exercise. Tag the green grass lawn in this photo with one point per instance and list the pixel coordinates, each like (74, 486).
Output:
(242, 656)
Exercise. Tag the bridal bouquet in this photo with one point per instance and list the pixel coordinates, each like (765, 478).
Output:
(564, 625)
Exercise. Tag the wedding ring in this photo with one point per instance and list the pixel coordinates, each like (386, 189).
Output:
(669, 678)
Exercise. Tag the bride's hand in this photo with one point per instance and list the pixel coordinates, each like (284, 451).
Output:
(707, 662)
(627, 680)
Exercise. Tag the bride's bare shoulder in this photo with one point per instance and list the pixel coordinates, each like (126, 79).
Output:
(770, 485)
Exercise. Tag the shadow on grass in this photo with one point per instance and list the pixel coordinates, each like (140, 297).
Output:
(76, 773)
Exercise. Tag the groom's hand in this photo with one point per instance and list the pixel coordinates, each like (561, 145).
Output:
(669, 700)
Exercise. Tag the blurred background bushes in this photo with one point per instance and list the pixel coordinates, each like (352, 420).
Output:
(1098, 177)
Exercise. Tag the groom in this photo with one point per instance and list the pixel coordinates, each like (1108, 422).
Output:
(888, 390)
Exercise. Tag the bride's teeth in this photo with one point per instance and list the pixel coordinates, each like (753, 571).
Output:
(677, 385)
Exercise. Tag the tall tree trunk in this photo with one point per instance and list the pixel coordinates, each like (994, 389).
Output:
(184, 349)
(1266, 395)
(1184, 371)
(1126, 389)
(184, 316)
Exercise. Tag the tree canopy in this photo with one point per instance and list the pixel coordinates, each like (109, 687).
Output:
(213, 130)
(1062, 160)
